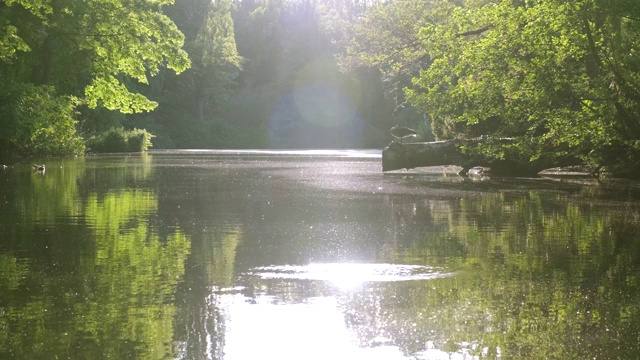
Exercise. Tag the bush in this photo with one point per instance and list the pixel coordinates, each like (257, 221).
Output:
(35, 121)
(139, 140)
(120, 140)
(114, 141)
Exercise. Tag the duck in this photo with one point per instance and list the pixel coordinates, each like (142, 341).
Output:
(401, 132)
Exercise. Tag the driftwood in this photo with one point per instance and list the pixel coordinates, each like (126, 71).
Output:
(412, 155)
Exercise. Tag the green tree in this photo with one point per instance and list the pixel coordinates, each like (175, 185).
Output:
(560, 78)
(386, 39)
(34, 121)
(291, 85)
(92, 49)
(191, 105)
(87, 53)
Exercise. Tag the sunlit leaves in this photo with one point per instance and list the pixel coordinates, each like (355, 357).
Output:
(43, 122)
(113, 95)
(387, 37)
(555, 75)
(108, 41)
(39, 8)
(215, 43)
(10, 42)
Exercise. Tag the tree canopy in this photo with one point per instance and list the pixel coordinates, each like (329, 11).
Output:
(560, 77)
(91, 49)
(90, 53)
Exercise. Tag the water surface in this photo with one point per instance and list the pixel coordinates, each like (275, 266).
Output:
(311, 255)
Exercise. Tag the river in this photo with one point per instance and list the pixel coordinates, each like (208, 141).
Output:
(312, 255)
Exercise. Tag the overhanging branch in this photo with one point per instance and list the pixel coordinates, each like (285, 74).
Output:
(474, 32)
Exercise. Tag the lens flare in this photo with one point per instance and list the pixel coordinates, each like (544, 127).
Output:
(321, 97)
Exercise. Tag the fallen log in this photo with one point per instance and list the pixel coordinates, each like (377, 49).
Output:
(449, 152)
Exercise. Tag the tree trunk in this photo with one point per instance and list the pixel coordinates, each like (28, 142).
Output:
(42, 71)
(412, 155)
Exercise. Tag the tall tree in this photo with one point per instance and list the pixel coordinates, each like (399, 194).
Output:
(191, 105)
(561, 78)
(85, 53)
(384, 36)
(291, 85)
(91, 49)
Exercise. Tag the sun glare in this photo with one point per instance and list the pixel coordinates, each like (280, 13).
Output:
(348, 275)
(274, 325)
(342, 275)
(313, 330)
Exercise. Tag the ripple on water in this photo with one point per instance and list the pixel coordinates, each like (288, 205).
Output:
(342, 273)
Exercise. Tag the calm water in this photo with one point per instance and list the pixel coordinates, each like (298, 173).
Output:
(311, 255)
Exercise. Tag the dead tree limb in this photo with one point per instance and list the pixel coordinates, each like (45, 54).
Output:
(412, 155)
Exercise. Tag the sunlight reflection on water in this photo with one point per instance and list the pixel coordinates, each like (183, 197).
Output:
(312, 330)
(347, 275)
(316, 327)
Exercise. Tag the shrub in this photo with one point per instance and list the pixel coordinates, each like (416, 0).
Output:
(120, 140)
(114, 141)
(139, 140)
(38, 122)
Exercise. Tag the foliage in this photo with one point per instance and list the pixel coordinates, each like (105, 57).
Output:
(561, 78)
(35, 121)
(291, 84)
(244, 86)
(191, 104)
(394, 47)
(61, 56)
(386, 39)
(120, 140)
(139, 140)
(78, 47)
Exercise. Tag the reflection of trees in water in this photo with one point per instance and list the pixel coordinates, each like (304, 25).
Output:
(203, 203)
(200, 329)
(414, 219)
(200, 321)
(96, 280)
(384, 314)
(540, 276)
